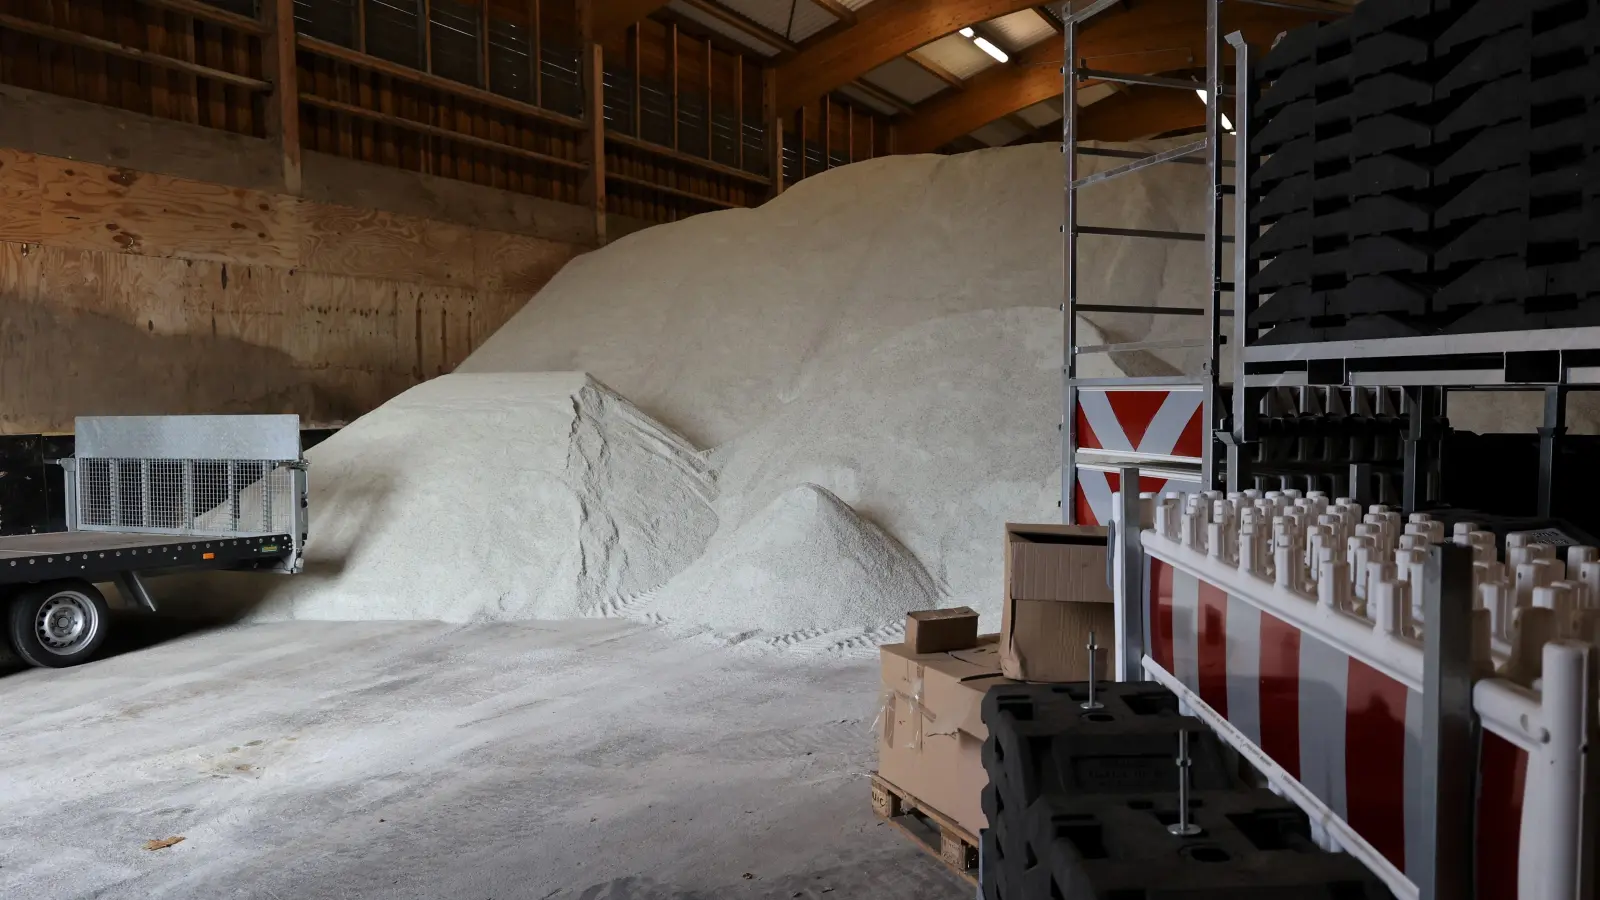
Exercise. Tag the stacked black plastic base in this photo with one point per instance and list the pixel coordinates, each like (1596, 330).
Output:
(1429, 168)
(1079, 801)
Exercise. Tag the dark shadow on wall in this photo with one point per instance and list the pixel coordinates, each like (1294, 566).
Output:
(59, 363)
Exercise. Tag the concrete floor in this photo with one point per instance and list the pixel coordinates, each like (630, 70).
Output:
(593, 759)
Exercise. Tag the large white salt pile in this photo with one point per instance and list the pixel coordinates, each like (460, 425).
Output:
(803, 559)
(499, 496)
(871, 364)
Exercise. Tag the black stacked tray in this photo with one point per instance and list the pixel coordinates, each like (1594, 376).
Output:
(1428, 166)
(1250, 843)
(1043, 743)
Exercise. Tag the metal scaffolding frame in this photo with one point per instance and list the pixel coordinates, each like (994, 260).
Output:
(1210, 146)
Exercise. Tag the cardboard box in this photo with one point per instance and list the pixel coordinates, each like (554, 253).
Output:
(942, 630)
(1056, 593)
(930, 743)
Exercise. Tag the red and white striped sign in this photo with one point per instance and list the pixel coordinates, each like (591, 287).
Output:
(1347, 732)
(1092, 492)
(1162, 423)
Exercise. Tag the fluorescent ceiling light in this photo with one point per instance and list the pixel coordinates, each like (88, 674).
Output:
(992, 50)
(1226, 125)
(966, 32)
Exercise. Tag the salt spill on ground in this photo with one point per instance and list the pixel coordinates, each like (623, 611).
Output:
(580, 760)
(887, 332)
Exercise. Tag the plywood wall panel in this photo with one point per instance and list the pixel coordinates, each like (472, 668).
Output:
(19, 196)
(377, 244)
(336, 312)
(91, 207)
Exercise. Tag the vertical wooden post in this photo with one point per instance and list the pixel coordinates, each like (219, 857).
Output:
(483, 45)
(800, 132)
(536, 56)
(427, 36)
(711, 103)
(872, 136)
(774, 122)
(850, 133)
(738, 109)
(672, 66)
(594, 114)
(827, 133)
(638, 79)
(361, 25)
(283, 107)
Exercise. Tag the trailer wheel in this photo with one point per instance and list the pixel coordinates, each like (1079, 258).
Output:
(58, 624)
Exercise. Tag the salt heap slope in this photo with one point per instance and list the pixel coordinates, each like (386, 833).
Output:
(494, 497)
(804, 562)
(888, 331)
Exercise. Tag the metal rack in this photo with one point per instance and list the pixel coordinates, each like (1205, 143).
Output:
(1206, 381)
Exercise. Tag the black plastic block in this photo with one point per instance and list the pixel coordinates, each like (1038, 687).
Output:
(1390, 172)
(1297, 83)
(1389, 213)
(1388, 132)
(1386, 293)
(1292, 232)
(1292, 267)
(1294, 303)
(1251, 843)
(1481, 21)
(1297, 45)
(1294, 159)
(1291, 123)
(1289, 196)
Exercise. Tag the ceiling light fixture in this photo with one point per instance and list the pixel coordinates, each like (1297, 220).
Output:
(1226, 124)
(966, 32)
(992, 50)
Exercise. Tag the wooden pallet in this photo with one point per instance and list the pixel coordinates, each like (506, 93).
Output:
(931, 830)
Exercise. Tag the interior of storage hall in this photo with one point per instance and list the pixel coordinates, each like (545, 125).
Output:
(634, 368)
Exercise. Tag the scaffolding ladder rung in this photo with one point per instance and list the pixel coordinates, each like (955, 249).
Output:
(1112, 153)
(1144, 162)
(1147, 233)
(1140, 308)
(1139, 345)
(1146, 80)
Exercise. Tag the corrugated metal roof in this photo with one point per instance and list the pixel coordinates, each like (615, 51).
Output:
(906, 80)
(1041, 113)
(854, 4)
(1020, 30)
(866, 100)
(743, 38)
(998, 133)
(794, 19)
(957, 55)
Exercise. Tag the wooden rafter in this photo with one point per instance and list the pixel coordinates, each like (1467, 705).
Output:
(932, 68)
(886, 29)
(1158, 35)
(611, 17)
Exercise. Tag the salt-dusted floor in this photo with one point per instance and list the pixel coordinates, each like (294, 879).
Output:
(589, 759)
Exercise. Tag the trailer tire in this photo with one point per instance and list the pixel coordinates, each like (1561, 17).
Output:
(58, 623)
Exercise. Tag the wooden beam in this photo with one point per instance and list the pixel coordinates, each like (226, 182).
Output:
(283, 107)
(612, 16)
(711, 102)
(681, 157)
(638, 80)
(1155, 36)
(672, 77)
(112, 48)
(435, 131)
(774, 123)
(444, 85)
(483, 45)
(936, 70)
(738, 109)
(882, 96)
(538, 54)
(827, 133)
(208, 13)
(886, 29)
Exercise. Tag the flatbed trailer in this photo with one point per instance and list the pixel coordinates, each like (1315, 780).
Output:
(150, 495)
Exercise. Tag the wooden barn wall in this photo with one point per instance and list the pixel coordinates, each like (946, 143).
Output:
(124, 292)
(487, 92)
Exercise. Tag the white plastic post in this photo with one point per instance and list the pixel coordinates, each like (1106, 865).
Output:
(1552, 827)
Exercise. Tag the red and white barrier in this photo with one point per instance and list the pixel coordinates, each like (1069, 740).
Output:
(1254, 619)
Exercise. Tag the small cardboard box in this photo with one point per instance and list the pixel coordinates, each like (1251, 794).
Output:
(942, 630)
(930, 743)
(1056, 593)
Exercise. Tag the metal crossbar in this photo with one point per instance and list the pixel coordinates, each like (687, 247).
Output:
(1196, 236)
(1146, 80)
(1153, 159)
